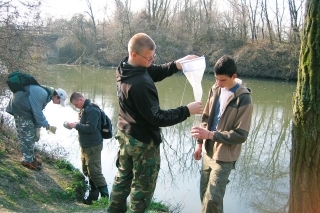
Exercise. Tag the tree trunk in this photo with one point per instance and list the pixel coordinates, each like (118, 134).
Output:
(268, 22)
(295, 37)
(305, 156)
(253, 18)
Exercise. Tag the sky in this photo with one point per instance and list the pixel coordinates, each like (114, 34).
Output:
(67, 8)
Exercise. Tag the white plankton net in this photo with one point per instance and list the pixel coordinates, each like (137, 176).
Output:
(193, 70)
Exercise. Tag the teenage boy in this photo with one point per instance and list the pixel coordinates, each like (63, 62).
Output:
(225, 126)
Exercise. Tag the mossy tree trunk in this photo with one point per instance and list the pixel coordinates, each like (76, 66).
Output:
(305, 156)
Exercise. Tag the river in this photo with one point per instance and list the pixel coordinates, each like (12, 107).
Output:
(260, 182)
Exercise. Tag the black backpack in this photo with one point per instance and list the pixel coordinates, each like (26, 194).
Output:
(106, 125)
(18, 80)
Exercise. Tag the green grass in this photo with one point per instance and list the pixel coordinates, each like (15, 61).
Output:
(76, 187)
(59, 187)
(157, 206)
(68, 194)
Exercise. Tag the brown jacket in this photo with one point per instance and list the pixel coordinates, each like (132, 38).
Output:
(233, 126)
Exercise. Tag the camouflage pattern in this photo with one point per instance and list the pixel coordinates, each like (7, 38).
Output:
(213, 183)
(26, 135)
(138, 167)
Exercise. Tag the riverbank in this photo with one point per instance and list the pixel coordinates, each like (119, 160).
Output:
(24, 190)
(260, 60)
(58, 187)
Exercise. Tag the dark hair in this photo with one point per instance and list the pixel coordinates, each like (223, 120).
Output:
(55, 94)
(225, 66)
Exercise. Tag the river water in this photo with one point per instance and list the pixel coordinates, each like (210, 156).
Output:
(260, 182)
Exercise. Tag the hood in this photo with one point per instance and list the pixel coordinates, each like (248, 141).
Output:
(241, 90)
(125, 70)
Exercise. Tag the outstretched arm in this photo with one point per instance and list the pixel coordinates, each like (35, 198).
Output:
(188, 57)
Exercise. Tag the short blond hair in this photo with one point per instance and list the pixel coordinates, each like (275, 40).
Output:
(140, 42)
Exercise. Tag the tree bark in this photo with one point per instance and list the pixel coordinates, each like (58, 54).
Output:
(295, 37)
(268, 22)
(305, 156)
(253, 18)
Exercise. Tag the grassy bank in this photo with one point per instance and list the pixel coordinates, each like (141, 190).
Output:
(58, 187)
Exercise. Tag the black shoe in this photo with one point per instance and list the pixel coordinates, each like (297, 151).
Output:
(93, 196)
(104, 191)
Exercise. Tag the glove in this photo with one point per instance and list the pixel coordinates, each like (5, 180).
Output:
(37, 135)
(48, 127)
(53, 129)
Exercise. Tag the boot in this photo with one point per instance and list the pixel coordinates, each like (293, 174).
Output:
(93, 193)
(104, 191)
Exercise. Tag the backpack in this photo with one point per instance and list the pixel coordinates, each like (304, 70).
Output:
(18, 80)
(106, 125)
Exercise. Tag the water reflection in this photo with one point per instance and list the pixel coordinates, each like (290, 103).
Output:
(260, 182)
(262, 175)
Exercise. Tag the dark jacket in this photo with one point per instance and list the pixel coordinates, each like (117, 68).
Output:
(140, 115)
(88, 128)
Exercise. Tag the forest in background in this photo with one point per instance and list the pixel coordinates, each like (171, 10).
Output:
(262, 35)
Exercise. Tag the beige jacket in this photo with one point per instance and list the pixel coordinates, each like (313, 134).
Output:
(233, 126)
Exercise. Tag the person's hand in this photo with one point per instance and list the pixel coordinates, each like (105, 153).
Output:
(201, 133)
(53, 129)
(48, 127)
(195, 107)
(71, 124)
(188, 57)
(37, 135)
(197, 152)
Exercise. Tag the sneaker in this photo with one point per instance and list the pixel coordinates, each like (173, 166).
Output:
(37, 162)
(30, 165)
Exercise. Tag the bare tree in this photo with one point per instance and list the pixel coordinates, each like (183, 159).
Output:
(20, 35)
(262, 19)
(279, 17)
(253, 20)
(157, 12)
(266, 16)
(293, 9)
(241, 11)
(92, 18)
(122, 17)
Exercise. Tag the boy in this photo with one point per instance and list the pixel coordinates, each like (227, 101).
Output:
(225, 126)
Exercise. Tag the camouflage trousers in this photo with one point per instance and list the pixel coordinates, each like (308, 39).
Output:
(26, 134)
(138, 167)
(214, 179)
